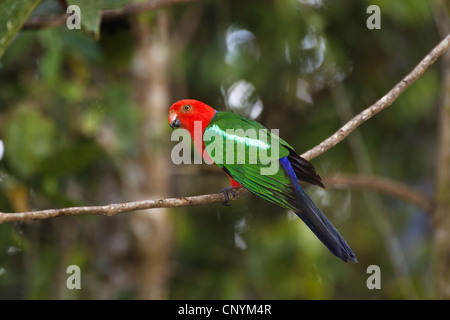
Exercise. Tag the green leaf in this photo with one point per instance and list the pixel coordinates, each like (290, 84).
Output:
(13, 14)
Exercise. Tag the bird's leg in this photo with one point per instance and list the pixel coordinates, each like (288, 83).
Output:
(227, 191)
(230, 190)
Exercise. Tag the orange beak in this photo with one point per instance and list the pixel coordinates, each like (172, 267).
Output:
(174, 122)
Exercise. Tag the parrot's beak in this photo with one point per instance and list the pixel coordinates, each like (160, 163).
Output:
(174, 122)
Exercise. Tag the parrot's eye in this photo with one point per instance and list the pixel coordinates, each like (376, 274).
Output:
(186, 107)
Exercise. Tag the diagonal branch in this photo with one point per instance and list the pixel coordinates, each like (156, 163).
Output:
(337, 137)
(381, 104)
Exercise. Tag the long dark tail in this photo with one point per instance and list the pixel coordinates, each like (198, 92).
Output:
(308, 211)
(314, 218)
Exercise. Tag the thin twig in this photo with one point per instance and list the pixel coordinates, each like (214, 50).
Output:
(113, 209)
(383, 185)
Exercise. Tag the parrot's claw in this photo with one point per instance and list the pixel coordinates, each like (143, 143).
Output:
(227, 191)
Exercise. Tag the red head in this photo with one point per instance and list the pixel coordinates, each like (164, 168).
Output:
(184, 113)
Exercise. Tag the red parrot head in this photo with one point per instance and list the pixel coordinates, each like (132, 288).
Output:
(184, 113)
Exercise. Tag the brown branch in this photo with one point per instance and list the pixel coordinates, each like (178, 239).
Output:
(381, 104)
(128, 10)
(383, 185)
(113, 209)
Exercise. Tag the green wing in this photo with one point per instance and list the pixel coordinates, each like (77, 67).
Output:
(250, 154)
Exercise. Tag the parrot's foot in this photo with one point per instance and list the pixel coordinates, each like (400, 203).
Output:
(227, 191)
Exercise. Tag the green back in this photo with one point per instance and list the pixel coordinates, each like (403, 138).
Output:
(250, 154)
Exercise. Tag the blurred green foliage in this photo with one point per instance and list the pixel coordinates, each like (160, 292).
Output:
(13, 15)
(69, 122)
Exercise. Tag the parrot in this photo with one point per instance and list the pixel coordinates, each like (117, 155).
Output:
(218, 134)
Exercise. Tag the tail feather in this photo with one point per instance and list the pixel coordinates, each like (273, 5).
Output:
(314, 218)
